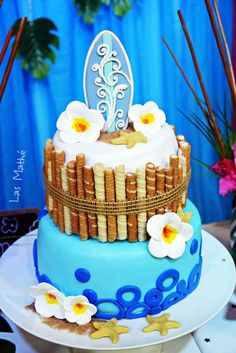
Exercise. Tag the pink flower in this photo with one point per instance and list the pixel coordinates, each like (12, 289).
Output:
(228, 183)
(226, 168)
(223, 167)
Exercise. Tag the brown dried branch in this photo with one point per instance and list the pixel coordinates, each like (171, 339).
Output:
(213, 120)
(220, 47)
(225, 43)
(12, 57)
(5, 45)
(189, 85)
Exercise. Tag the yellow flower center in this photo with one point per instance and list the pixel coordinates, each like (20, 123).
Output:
(169, 234)
(79, 308)
(147, 118)
(80, 124)
(51, 299)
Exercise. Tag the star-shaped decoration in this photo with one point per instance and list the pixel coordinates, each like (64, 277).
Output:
(162, 324)
(184, 216)
(207, 340)
(108, 329)
(129, 138)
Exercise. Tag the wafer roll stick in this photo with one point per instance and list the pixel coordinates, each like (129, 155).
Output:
(90, 195)
(66, 210)
(180, 179)
(54, 183)
(173, 128)
(160, 185)
(131, 193)
(50, 200)
(98, 170)
(180, 138)
(80, 163)
(60, 160)
(174, 164)
(168, 185)
(72, 187)
(120, 196)
(48, 148)
(182, 161)
(186, 152)
(141, 193)
(151, 184)
(110, 196)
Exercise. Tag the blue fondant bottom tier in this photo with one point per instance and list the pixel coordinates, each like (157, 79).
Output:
(122, 279)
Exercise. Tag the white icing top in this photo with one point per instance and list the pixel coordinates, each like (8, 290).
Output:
(158, 150)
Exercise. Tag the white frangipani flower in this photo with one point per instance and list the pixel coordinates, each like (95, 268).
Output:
(48, 300)
(78, 309)
(168, 235)
(78, 123)
(147, 118)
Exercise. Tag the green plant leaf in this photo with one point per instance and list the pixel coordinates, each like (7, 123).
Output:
(121, 7)
(36, 47)
(88, 9)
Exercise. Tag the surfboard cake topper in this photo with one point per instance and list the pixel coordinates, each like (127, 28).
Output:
(108, 80)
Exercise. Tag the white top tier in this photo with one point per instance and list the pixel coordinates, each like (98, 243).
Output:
(157, 150)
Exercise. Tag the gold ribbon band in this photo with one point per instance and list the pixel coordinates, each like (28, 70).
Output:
(124, 207)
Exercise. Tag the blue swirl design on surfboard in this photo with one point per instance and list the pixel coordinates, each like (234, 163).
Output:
(108, 81)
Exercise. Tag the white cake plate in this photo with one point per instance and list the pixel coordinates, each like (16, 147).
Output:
(214, 291)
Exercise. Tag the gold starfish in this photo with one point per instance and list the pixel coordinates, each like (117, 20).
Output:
(162, 324)
(108, 329)
(129, 138)
(184, 216)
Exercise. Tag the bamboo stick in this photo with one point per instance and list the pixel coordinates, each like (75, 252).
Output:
(141, 193)
(66, 210)
(121, 196)
(100, 195)
(110, 196)
(80, 163)
(90, 195)
(131, 192)
(72, 187)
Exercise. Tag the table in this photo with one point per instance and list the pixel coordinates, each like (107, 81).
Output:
(217, 336)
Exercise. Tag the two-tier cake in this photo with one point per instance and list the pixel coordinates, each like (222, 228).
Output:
(120, 239)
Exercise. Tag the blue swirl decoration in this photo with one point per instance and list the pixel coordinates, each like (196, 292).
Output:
(169, 290)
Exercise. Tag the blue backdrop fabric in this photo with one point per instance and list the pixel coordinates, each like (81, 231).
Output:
(30, 107)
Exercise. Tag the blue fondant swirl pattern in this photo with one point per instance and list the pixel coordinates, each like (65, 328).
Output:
(154, 300)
